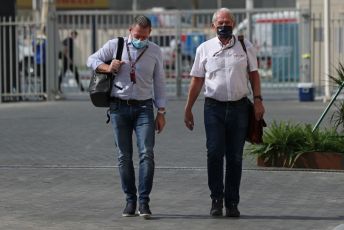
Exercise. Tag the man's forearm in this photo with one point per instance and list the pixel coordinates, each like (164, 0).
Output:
(255, 83)
(103, 68)
(195, 88)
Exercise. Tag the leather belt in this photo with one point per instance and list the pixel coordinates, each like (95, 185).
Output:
(214, 101)
(130, 101)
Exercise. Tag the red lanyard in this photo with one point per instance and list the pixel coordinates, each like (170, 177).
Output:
(132, 64)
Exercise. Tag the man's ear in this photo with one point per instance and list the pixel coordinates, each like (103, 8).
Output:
(213, 26)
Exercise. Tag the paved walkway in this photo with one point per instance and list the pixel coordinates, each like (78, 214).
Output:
(58, 171)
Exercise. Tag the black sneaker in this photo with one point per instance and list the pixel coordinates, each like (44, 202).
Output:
(216, 207)
(232, 211)
(144, 211)
(129, 210)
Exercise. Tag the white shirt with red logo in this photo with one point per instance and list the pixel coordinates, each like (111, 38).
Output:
(225, 68)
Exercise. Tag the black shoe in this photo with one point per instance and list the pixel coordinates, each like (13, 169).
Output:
(232, 211)
(216, 207)
(144, 211)
(129, 210)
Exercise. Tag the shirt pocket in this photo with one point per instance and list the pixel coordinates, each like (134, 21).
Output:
(237, 60)
(214, 64)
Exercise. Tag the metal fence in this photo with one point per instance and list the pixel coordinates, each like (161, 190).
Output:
(275, 35)
(22, 73)
(282, 38)
(317, 49)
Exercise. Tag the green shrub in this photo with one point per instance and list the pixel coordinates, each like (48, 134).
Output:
(284, 142)
(337, 118)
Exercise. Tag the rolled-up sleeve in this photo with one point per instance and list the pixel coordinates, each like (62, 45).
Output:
(159, 83)
(198, 69)
(251, 55)
(103, 55)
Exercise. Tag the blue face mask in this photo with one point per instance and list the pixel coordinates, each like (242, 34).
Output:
(138, 44)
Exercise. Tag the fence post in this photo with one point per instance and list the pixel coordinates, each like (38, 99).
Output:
(94, 33)
(179, 67)
(1, 64)
(327, 48)
(8, 47)
(52, 51)
(249, 7)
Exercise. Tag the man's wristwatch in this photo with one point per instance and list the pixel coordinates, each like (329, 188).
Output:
(258, 97)
(163, 112)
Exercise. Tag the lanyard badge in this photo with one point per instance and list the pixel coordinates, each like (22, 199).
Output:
(133, 63)
(132, 74)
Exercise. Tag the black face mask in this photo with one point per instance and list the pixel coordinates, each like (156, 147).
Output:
(224, 31)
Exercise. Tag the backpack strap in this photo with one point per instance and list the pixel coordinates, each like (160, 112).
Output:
(241, 40)
(119, 52)
(120, 48)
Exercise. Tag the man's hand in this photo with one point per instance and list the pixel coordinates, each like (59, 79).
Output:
(258, 109)
(188, 119)
(195, 88)
(114, 66)
(160, 122)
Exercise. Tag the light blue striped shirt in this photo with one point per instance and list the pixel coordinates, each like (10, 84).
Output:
(150, 75)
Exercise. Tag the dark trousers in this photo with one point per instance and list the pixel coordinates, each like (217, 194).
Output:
(226, 127)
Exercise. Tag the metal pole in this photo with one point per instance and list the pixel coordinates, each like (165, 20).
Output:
(327, 48)
(219, 4)
(249, 7)
(305, 38)
(178, 63)
(1, 63)
(328, 107)
(94, 33)
(134, 6)
(51, 48)
(36, 8)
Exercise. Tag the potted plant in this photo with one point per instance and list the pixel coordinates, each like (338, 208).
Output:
(295, 145)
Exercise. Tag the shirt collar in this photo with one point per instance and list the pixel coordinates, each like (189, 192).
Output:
(230, 43)
(129, 39)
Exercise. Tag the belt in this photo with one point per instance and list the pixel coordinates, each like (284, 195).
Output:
(130, 101)
(214, 101)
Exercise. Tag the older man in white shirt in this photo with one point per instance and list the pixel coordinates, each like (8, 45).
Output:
(221, 65)
(139, 83)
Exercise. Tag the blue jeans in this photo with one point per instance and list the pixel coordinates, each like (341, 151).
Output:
(226, 127)
(125, 120)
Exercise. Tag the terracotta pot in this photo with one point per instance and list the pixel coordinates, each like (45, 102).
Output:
(312, 160)
(261, 163)
(320, 160)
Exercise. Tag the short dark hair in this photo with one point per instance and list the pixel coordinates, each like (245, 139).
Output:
(142, 21)
(74, 32)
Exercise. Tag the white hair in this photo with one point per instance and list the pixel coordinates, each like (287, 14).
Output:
(225, 10)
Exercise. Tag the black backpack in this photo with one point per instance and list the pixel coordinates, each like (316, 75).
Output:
(101, 83)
